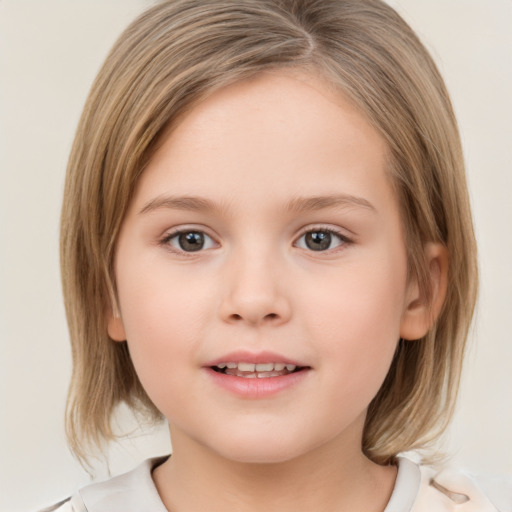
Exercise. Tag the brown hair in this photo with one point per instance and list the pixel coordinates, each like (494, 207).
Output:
(178, 52)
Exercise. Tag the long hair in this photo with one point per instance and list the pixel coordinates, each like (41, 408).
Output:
(179, 52)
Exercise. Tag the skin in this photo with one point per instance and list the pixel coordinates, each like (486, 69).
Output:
(254, 153)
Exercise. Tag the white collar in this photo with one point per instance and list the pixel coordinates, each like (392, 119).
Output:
(414, 491)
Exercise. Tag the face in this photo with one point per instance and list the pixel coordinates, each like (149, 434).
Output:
(262, 273)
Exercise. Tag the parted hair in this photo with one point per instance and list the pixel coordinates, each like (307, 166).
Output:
(180, 51)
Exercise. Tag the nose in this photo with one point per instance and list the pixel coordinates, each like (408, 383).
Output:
(254, 293)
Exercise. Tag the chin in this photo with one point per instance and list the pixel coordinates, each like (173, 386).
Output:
(260, 456)
(260, 449)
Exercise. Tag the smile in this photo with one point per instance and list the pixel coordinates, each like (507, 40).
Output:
(255, 370)
(251, 375)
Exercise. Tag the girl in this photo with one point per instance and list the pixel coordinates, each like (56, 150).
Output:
(266, 239)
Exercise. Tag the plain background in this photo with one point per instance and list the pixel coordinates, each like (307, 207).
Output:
(49, 54)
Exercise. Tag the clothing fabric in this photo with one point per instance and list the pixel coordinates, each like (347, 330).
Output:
(417, 489)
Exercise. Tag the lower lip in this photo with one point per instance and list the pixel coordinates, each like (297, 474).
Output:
(256, 388)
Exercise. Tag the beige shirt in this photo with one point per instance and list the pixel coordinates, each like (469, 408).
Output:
(417, 489)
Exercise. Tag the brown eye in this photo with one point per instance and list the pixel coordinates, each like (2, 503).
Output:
(320, 240)
(189, 241)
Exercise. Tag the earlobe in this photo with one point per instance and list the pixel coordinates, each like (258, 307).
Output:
(115, 326)
(421, 312)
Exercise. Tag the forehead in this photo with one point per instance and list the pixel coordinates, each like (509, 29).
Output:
(287, 130)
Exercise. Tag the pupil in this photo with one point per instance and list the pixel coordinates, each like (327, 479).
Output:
(318, 240)
(192, 241)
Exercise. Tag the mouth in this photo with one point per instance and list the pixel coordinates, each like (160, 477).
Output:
(256, 370)
(256, 376)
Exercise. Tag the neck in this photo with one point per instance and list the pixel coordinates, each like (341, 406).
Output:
(332, 477)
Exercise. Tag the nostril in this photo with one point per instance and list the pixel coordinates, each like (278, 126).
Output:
(269, 317)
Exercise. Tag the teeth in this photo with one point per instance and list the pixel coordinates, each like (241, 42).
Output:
(269, 374)
(264, 367)
(260, 369)
(246, 367)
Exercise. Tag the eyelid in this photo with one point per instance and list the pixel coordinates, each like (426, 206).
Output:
(345, 240)
(174, 232)
(178, 230)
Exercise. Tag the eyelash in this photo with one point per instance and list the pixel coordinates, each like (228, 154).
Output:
(165, 241)
(343, 239)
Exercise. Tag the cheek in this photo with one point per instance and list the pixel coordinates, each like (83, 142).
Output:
(360, 298)
(165, 318)
(356, 321)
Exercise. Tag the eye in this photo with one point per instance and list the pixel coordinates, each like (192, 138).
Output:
(189, 241)
(321, 240)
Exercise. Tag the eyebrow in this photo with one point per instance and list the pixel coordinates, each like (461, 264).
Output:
(190, 203)
(295, 205)
(300, 204)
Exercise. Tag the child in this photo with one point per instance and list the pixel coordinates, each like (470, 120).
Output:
(266, 239)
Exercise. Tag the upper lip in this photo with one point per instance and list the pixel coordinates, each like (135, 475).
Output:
(242, 356)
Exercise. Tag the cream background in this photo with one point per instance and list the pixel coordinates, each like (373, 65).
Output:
(49, 54)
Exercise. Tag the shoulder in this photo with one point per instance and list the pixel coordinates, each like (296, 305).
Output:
(452, 489)
(72, 504)
(130, 492)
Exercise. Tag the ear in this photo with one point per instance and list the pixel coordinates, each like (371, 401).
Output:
(421, 312)
(115, 326)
